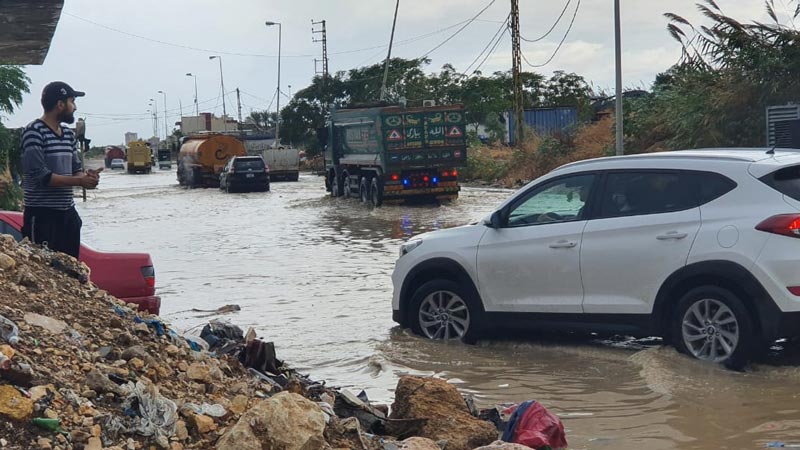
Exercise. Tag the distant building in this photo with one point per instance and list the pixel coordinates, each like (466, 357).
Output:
(206, 122)
(131, 137)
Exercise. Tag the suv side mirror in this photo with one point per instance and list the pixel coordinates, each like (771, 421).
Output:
(496, 220)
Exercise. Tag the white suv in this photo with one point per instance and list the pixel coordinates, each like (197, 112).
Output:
(701, 247)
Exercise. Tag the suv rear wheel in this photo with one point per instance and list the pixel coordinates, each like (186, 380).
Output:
(443, 310)
(712, 324)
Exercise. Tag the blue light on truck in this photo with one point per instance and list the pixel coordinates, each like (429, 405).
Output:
(405, 182)
(435, 180)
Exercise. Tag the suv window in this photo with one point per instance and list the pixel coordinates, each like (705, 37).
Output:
(645, 192)
(786, 181)
(713, 186)
(560, 200)
(244, 164)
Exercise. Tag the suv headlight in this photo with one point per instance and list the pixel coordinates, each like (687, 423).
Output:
(410, 245)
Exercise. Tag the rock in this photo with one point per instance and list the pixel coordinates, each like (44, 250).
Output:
(419, 443)
(137, 351)
(45, 444)
(94, 444)
(100, 383)
(136, 363)
(13, 405)
(176, 446)
(445, 410)
(50, 324)
(38, 392)
(172, 350)
(8, 351)
(501, 445)
(7, 262)
(141, 327)
(239, 404)
(198, 372)
(202, 423)
(286, 421)
(181, 432)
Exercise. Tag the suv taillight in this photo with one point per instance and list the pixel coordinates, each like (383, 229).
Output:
(149, 274)
(783, 224)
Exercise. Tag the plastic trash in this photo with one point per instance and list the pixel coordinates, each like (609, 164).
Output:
(196, 343)
(48, 424)
(533, 425)
(215, 410)
(155, 415)
(9, 331)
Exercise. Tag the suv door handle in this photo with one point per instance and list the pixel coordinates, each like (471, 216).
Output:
(672, 235)
(563, 244)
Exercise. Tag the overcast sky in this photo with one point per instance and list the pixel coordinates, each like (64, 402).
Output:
(93, 49)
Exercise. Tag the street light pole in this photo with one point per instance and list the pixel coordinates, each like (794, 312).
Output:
(618, 51)
(155, 118)
(196, 107)
(222, 83)
(278, 100)
(166, 133)
(389, 55)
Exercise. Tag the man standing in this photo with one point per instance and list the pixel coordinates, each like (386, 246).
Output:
(51, 168)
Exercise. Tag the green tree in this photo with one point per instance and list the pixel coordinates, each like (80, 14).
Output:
(13, 84)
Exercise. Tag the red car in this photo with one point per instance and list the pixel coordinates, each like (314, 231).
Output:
(128, 276)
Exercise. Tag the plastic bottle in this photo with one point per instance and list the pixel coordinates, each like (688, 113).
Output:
(9, 331)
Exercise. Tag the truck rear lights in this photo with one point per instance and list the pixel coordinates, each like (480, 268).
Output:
(783, 224)
(425, 178)
(395, 177)
(445, 174)
(149, 274)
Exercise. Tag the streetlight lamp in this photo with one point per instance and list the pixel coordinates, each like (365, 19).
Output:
(166, 134)
(222, 83)
(278, 117)
(196, 108)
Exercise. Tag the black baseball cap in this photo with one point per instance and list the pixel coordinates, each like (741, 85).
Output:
(58, 90)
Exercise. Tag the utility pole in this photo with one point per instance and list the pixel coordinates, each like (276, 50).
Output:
(389, 55)
(519, 114)
(239, 104)
(618, 50)
(324, 41)
(222, 84)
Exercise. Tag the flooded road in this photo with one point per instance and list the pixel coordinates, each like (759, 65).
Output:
(312, 274)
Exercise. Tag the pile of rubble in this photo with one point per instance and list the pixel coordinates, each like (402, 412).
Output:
(85, 371)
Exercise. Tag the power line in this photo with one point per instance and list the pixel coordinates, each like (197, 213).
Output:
(566, 5)
(497, 42)
(575, 14)
(458, 31)
(491, 41)
(256, 55)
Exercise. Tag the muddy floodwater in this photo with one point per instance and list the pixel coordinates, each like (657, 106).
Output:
(312, 274)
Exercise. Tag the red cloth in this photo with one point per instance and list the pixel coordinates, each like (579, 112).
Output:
(538, 428)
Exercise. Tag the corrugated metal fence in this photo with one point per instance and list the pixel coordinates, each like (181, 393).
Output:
(545, 121)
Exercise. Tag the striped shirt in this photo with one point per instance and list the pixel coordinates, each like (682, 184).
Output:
(45, 153)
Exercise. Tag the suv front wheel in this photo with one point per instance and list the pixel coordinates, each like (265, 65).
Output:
(443, 310)
(712, 324)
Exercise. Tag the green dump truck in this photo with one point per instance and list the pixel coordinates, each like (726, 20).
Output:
(393, 154)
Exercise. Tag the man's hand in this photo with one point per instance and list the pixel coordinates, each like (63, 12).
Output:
(95, 172)
(89, 180)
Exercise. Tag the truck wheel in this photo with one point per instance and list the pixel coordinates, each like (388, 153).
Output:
(376, 192)
(295, 177)
(336, 186)
(712, 324)
(363, 189)
(346, 191)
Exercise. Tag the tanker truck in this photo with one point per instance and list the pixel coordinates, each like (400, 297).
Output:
(394, 153)
(202, 158)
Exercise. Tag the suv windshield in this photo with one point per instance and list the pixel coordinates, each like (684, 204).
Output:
(786, 181)
(244, 164)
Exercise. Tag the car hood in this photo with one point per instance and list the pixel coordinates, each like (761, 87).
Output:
(460, 232)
